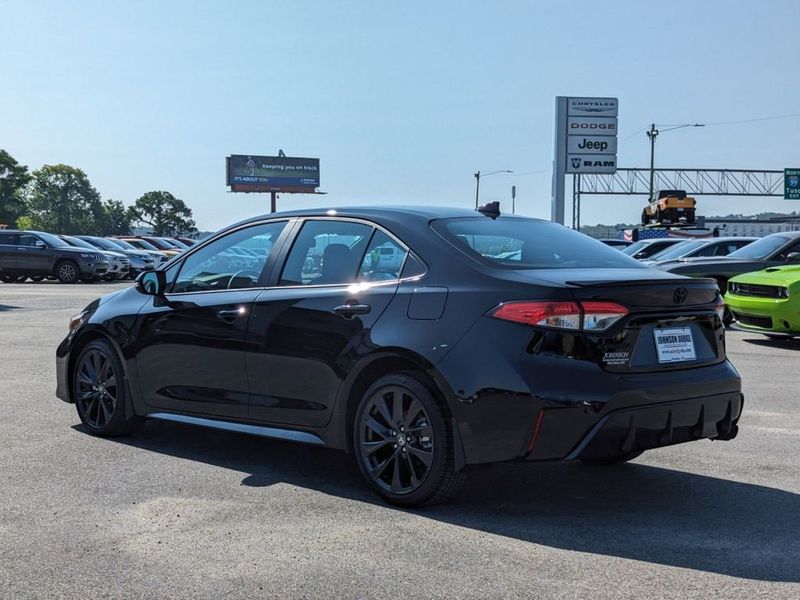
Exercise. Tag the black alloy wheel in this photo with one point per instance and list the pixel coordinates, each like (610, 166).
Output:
(100, 392)
(67, 272)
(403, 443)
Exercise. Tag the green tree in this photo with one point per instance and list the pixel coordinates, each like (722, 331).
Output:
(117, 219)
(62, 200)
(166, 214)
(13, 178)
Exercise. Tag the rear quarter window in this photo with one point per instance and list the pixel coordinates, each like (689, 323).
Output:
(520, 243)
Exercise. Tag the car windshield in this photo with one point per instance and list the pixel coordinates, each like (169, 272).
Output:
(529, 244)
(121, 244)
(176, 243)
(52, 240)
(73, 241)
(159, 244)
(678, 250)
(103, 243)
(634, 248)
(761, 249)
(139, 243)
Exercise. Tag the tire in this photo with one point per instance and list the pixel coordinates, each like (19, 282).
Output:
(612, 460)
(37, 278)
(100, 391)
(6, 278)
(67, 271)
(403, 443)
(21, 279)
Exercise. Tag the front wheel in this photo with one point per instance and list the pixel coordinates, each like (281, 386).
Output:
(100, 391)
(67, 272)
(403, 443)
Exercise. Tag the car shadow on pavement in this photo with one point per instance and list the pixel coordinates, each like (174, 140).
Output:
(632, 511)
(781, 344)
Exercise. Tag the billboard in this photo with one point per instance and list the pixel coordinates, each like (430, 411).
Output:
(251, 173)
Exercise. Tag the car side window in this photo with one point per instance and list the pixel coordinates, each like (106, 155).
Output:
(7, 239)
(28, 239)
(326, 252)
(383, 260)
(235, 261)
(789, 250)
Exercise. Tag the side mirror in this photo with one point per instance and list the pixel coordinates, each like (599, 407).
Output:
(793, 258)
(39, 244)
(152, 283)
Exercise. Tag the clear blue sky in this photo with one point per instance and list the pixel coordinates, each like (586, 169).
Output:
(402, 101)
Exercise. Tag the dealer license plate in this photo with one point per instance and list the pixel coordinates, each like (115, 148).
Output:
(674, 345)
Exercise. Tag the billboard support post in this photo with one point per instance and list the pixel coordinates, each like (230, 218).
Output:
(273, 205)
(559, 162)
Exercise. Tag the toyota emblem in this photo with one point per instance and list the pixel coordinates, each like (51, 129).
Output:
(679, 297)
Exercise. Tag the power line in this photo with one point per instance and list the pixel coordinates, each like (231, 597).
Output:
(789, 116)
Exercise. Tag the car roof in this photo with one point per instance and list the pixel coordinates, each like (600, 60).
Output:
(393, 212)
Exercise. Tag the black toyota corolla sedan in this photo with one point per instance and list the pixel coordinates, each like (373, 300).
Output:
(421, 340)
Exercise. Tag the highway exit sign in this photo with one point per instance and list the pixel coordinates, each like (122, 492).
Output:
(791, 184)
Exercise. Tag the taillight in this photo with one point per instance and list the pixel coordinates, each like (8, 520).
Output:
(561, 315)
(578, 316)
(719, 306)
(599, 316)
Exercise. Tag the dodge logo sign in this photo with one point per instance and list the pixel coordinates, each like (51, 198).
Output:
(679, 297)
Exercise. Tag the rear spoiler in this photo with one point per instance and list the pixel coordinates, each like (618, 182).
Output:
(682, 281)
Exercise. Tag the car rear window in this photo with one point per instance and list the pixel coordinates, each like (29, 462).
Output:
(529, 244)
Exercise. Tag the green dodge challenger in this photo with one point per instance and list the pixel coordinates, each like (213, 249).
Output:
(767, 301)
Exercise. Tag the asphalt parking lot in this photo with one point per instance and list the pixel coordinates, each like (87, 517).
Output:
(180, 512)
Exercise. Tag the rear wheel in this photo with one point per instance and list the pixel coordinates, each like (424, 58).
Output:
(67, 271)
(612, 460)
(6, 278)
(403, 443)
(100, 391)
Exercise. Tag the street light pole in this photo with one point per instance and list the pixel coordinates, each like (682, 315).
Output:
(478, 176)
(652, 134)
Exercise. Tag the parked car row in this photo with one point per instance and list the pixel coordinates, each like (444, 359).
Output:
(38, 255)
(759, 276)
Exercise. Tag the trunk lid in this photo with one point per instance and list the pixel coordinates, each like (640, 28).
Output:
(671, 323)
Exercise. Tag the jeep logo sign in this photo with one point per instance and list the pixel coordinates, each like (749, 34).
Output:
(586, 144)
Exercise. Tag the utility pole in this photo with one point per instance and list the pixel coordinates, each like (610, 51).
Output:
(513, 199)
(478, 176)
(652, 133)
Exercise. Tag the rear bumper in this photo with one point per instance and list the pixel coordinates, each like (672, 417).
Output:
(646, 427)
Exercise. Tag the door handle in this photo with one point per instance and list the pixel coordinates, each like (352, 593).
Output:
(350, 310)
(230, 314)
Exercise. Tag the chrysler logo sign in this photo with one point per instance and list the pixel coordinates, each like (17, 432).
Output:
(679, 297)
